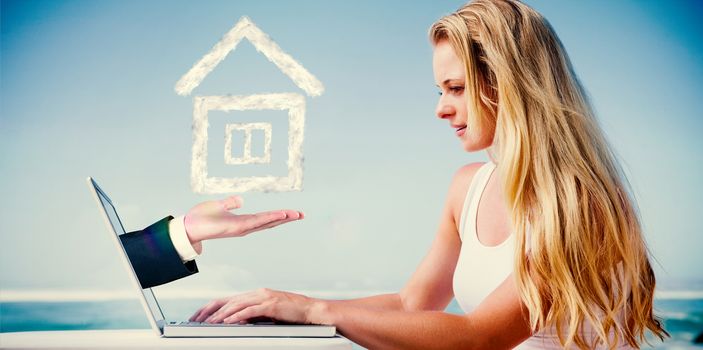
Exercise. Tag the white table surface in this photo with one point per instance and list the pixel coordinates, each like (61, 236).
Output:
(147, 339)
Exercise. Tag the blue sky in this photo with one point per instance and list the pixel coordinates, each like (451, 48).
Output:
(87, 89)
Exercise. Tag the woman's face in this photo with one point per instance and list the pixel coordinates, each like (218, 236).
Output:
(452, 105)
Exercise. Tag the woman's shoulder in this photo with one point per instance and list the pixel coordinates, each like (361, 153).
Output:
(460, 186)
(467, 172)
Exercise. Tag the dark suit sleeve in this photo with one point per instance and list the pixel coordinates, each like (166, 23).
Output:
(153, 256)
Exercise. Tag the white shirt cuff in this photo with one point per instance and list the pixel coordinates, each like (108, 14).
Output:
(179, 238)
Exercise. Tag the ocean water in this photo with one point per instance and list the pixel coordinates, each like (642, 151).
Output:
(683, 318)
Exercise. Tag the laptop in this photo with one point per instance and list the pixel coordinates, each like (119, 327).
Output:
(165, 328)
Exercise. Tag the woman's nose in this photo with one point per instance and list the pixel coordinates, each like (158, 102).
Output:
(444, 110)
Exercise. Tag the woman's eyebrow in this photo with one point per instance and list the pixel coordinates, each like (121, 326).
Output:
(447, 81)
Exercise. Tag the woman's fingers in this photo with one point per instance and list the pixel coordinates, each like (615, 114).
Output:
(248, 313)
(261, 303)
(207, 310)
(196, 314)
(244, 299)
(233, 306)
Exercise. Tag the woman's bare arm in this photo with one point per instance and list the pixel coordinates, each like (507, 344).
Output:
(499, 322)
(410, 319)
(430, 287)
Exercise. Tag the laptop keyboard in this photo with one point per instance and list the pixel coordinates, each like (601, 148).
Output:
(203, 324)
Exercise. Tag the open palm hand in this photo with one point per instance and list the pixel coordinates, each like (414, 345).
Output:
(214, 219)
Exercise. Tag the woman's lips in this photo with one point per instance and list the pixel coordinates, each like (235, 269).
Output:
(460, 131)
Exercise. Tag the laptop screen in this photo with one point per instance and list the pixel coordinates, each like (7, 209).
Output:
(119, 230)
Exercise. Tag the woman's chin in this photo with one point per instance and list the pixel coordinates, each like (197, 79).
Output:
(471, 146)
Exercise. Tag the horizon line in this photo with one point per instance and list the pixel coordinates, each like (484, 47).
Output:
(16, 295)
(68, 295)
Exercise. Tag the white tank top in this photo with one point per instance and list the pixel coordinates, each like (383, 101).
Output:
(480, 269)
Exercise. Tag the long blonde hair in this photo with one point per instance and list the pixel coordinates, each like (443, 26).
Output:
(586, 260)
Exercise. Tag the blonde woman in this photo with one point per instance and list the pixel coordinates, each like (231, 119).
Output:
(541, 247)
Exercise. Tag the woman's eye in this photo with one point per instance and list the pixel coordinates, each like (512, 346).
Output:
(453, 89)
